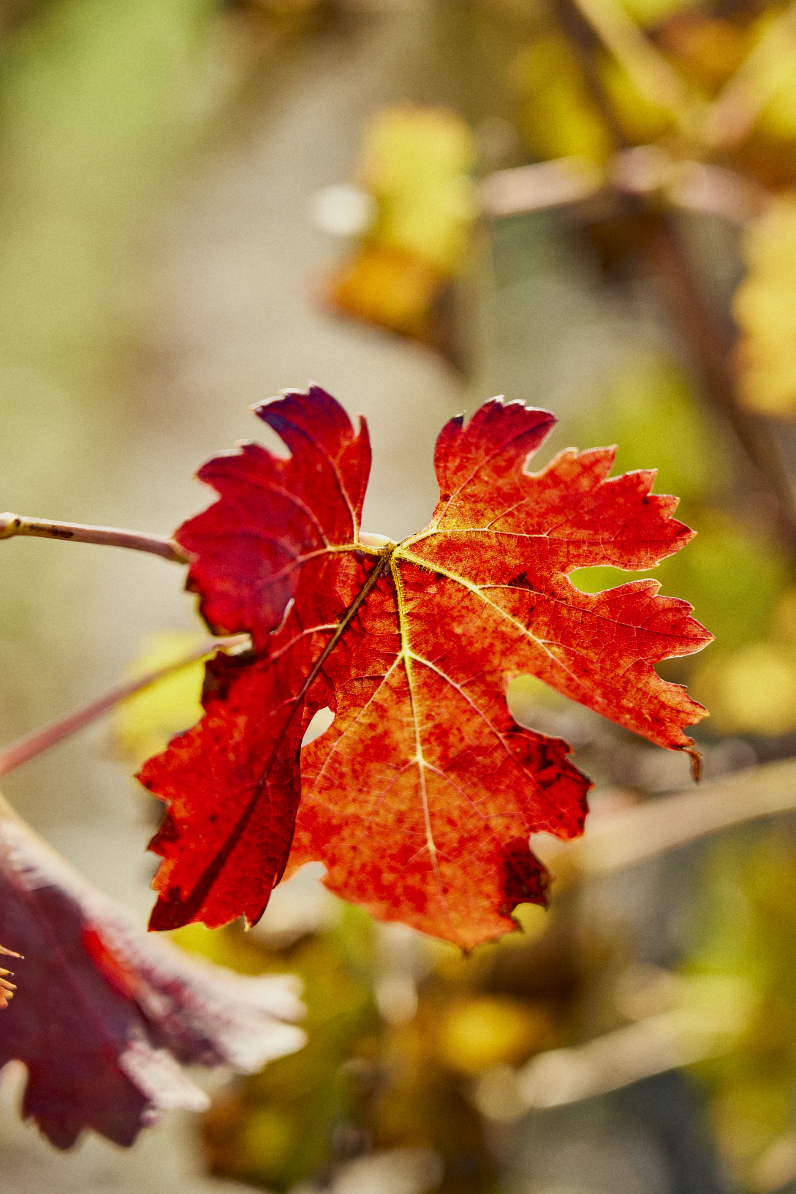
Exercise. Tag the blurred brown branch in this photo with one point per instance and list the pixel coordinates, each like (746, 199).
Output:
(614, 841)
(644, 170)
(41, 739)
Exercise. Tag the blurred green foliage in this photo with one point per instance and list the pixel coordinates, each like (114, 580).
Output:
(399, 1079)
(745, 926)
(733, 573)
(293, 1122)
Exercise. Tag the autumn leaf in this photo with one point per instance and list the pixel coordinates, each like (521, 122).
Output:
(421, 797)
(105, 1016)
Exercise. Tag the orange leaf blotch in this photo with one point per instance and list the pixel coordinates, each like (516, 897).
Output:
(440, 781)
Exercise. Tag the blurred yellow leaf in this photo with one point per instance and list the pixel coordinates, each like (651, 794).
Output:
(490, 1030)
(770, 75)
(416, 164)
(559, 117)
(751, 691)
(640, 118)
(388, 287)
(144, 724)
(650, 12)
(765, 310)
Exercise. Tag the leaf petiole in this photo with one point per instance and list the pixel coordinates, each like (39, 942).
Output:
(159, 545)
(41, 739)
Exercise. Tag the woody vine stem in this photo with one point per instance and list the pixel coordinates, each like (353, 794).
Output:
(41, 739)
(12, 525)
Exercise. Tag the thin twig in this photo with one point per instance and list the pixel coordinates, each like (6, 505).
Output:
(539, 186)
(736, 109)
(641, 170)
(664, 1041)
(159, 545)
(42, 739)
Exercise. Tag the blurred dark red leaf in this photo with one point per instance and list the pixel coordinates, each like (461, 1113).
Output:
(104, 1016)
(421, 797)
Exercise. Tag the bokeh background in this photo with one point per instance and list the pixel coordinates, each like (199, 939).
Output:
(588, 205)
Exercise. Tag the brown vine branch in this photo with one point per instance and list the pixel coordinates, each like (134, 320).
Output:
(41, 739)
(615, 841)
(643, 170)
(159, 545)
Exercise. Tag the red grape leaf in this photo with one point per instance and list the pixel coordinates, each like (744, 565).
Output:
(104, 1015)
(421, 797)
